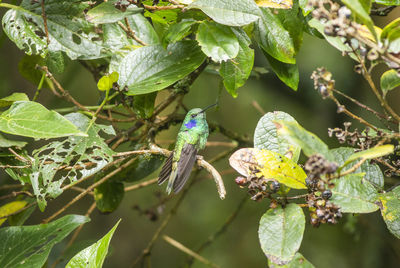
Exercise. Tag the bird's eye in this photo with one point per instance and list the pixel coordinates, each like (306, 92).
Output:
(193, 115)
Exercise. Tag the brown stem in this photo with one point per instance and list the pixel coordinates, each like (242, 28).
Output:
(14, 194)
(140, 185)
(131, 33)
(46, 30)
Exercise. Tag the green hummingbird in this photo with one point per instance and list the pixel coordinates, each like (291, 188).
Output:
(192, 137)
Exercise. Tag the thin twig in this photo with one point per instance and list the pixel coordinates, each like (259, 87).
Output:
(19, 157)
(140, 185)
(221, 230)
(257, 106)
(90, 188)
(162, 226)
(188, 251)
(131, 32)
(14, 194)
(46, 30)
(214, 173)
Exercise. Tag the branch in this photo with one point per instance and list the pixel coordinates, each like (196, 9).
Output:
(90, 188)
(46, 30)
(131, 33)
(188, 251)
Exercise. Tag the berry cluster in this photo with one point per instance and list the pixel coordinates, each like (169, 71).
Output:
(322, 210)
(316, 166)
(323, 82)
(258, 187)
(360, 138)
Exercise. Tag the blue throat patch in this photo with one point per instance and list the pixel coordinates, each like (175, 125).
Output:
(191, 124)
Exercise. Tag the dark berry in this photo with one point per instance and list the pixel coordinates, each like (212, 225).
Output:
(326, 194)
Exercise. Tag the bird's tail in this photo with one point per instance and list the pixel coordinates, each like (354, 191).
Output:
(171, 180)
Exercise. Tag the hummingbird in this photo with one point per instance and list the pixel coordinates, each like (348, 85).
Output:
(192, 137)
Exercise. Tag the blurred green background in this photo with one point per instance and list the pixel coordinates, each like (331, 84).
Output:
(357, 241)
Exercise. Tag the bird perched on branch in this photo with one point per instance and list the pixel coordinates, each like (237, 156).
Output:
(192, 137)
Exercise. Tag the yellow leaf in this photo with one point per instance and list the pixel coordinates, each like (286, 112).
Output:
(9, 208)
(114, 77)
(285, 4)
(269, 165)
(104, 83)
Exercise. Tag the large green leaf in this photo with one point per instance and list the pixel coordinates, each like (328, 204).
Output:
(10, 208)
(29, 246)
(372, 171)
(266, 135)
(7, 101)
(217, 41)
(143, 29)
(354, 194)
(107, 13)
(84, 155)
(109, 195)
(31, 119)
(236, 71)
(68, 30)
(297, 135)
(93, 256)
(298, 262)
(229, 12)
(286, 72)
(23, 33)
(389, 80)
(152, 68)
(273, 38)
(281, 232)
(390, 210)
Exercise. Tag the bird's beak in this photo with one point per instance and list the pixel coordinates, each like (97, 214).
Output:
(208, 107)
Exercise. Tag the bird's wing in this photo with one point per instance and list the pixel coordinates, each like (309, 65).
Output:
(166, 169)
(185, 165)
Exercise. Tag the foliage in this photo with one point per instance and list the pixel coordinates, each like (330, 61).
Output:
(145, 56)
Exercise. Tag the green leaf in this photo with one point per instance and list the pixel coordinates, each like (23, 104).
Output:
(360, 8)
(229, 12)
(294, 22)
(217, 41)
(273, 38)
(178, 31)
(31, 119)
(281, 232)
(390, 210)
(235, 72)
(143, 29)
(20, 218)
(374, 152)
(55, 62)
(109, 195)
(68, 31)
(5, 143)
(93, 256)
(7, 101)
(29, 246)
(389, 80)
(372, 171)
(75, 152)
(298, 262)
(266, 135)
(298, 136)
(9, 208)
(391, 31)
(287, 73)
(143, 105)
(306, 9)
(27, 68)
(151, 68)
(23, 33)
(269, 165)
(107, 13)
(354, 194)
